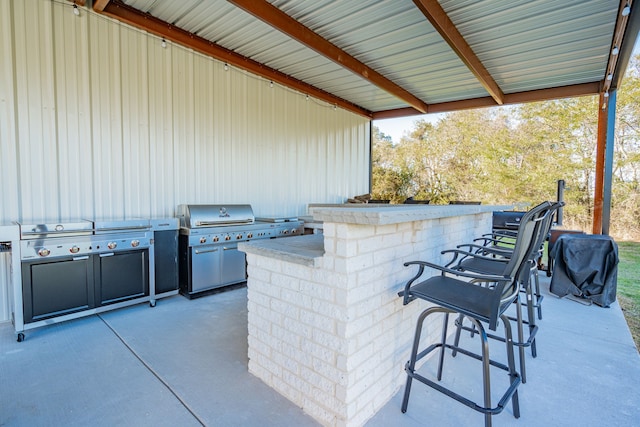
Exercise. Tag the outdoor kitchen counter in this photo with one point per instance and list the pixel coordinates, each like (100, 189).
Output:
(326, 327)
(305, 250)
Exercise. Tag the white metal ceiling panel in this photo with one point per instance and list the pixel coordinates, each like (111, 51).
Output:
(393, 38)
(527, 45)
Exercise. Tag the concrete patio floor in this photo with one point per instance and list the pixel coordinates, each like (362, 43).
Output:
(184, 363)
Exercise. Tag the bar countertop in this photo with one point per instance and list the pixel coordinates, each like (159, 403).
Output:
(306, 250)
(393, 214)
(309, 249)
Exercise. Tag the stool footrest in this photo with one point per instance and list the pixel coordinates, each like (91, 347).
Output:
(471, 404)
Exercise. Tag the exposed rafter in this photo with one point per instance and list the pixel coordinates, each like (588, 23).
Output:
(441, 22)
(294, 29)
(624, 39)
(99, 5)
(509, 99)
(132, 16)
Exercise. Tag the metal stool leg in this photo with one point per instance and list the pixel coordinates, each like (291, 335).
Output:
(513, 374)
(456, 341)
(443, 340)
(483, 357)
(523, 371)
(539, 296)
(411, 364)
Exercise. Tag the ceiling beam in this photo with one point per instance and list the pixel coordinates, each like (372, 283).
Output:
(273, 16)
(432, 10)
(122, 12)
(625, 35)
(99, 5)
(513, 98)
(616, 42)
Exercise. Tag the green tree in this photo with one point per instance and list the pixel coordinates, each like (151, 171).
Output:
(625, 211)
(509, 155)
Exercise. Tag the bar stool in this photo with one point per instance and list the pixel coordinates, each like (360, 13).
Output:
(459, 292)
(491, 260)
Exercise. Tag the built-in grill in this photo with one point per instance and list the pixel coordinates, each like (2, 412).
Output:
(208, 243)
(72, 268)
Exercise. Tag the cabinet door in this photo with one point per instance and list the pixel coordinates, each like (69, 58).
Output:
(56, 288)
(166, 260)
(121, 276)
(234, 265)
(205, 267)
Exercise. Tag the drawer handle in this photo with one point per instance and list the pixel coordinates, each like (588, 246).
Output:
(80, 258)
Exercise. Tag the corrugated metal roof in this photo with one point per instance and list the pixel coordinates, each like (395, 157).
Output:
(523, 45)
(529, 45)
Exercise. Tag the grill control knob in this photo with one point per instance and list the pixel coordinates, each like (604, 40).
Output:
(285, 232)
(74, 249)
(227, 237)
(203, 240)
(250, 235)
(293, 231)
(112, 245)
(215, 239)
(135, 243)
(44, 252)
(239, 236)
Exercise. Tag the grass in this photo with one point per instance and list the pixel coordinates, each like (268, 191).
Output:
(629, 286)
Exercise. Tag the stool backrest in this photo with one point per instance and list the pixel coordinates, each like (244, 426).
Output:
(531, 226)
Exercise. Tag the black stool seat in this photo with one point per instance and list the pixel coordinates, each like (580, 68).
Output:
(464, 297)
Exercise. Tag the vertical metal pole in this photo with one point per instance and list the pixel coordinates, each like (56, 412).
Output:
(560, 199)
(370, 156)
(608, 165)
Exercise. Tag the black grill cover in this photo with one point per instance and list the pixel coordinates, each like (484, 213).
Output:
(585, 266)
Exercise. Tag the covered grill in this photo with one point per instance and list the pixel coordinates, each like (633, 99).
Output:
(208, 243)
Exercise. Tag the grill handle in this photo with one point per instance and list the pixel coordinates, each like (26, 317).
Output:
(205, 251)
(221, 223)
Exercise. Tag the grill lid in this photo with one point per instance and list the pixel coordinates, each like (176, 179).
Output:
(121, 224)
(199, 216)
(54, 228)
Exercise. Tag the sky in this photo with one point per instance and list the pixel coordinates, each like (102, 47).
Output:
(396, 128)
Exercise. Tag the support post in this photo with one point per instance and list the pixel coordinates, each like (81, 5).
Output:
(600, 153)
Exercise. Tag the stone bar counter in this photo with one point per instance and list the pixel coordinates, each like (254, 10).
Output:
(327, 329)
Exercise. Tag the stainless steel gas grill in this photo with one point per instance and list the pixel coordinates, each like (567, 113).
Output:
(208, 244)
(75, 268)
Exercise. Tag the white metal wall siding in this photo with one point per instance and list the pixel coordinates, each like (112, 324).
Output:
(98, 120)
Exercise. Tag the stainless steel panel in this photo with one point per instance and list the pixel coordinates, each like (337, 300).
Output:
(205, 268)
(60, 247)
(234, 265)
